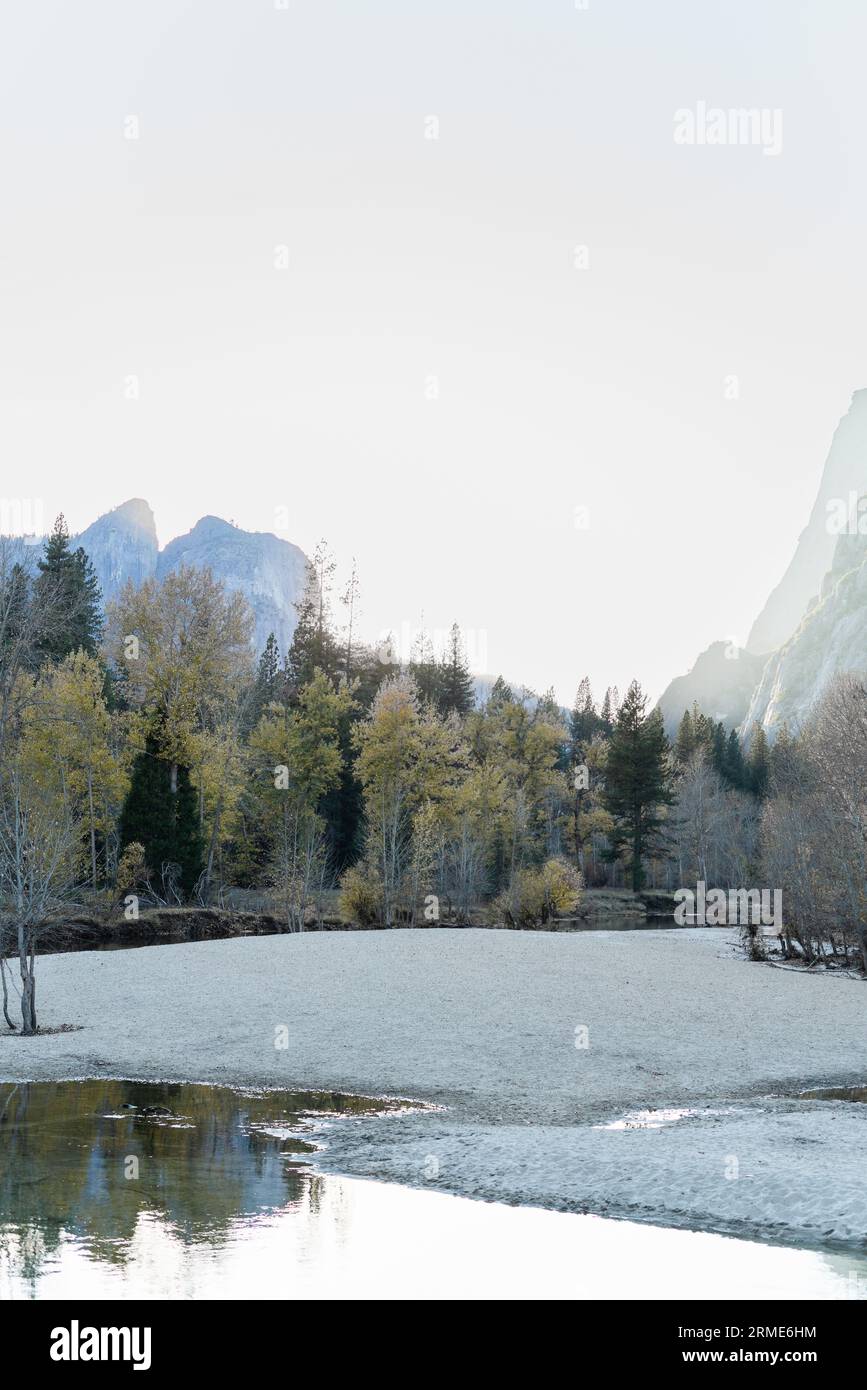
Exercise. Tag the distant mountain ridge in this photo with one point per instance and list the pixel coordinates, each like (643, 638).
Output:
(844, 473)
(831, 638)
(268, 571)
(122, 545)
(721, 683)
(814, 623)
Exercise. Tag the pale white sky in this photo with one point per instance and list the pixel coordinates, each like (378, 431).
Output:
(411, 258)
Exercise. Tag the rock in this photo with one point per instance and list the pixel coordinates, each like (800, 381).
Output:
(122, 545)
(845, 471)
(814, 624)
(831, 639)
(269, 572)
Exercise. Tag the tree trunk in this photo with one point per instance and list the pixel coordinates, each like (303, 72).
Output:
(92, 829)
(212, 848)
(26, 964)
(636, 857)
(9, 1022)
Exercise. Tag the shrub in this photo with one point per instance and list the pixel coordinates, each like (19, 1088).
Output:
(132, 871)
(360, 897)
(536, 895)
(753, 941)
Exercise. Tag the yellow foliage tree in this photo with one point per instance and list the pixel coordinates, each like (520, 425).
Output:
(76, 750)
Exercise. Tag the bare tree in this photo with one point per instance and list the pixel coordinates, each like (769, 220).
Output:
(465, 869)
(714, 828)
(40, 862)
(298, 863)
(814, 827)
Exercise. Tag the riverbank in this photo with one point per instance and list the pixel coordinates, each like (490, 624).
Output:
(528, 1040)
(109, 929)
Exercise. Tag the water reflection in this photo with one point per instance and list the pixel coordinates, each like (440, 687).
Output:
(86, 1162)
(104, 1196)
(856, 1095)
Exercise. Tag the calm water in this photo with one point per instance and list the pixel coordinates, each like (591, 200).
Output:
(124, 1189)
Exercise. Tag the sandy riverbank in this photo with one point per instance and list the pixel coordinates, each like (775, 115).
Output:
(484, 1023)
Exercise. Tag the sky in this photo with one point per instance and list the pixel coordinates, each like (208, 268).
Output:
(441, 284)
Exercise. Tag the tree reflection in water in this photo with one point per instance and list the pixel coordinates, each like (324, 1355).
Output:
(87, 1159)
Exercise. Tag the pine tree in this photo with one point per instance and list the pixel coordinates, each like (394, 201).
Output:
(14, 604)
(735, 770)
(758, 763)
(685, 742)
(457, 689)
(350, 600)
(68, 585)
(783, 763)
(608, 712)
(424, 670)
(718, 749)
(270, 682)
(501, 694)
(188, 847)
(166, 823)
(584, 722)
(269, 666)
(314, 646)
(637, 782)
(702, 729)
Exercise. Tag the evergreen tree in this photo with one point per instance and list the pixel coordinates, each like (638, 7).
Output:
(784, 767)
(501, 694)
(637, 782)
(269, 667)
(15, 598)
(758, 763)
(68, 585)
(696, 732)
(424, 670)
(189, 851)
(270, 683)
(735, 770)
(165, 822)
(457, 689)
(702, 729)
(608, 712)
(584, 722)
(350, 600)
(314, 646)
(685, 741)
(343, 804)
(718, 749)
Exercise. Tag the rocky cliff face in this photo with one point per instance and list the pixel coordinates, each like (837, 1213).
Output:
(831, 638)
(269, 572)
(845, 472)
(814, 624)
(122, 545)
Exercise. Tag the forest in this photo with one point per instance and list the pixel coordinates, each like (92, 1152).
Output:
(147, 757)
